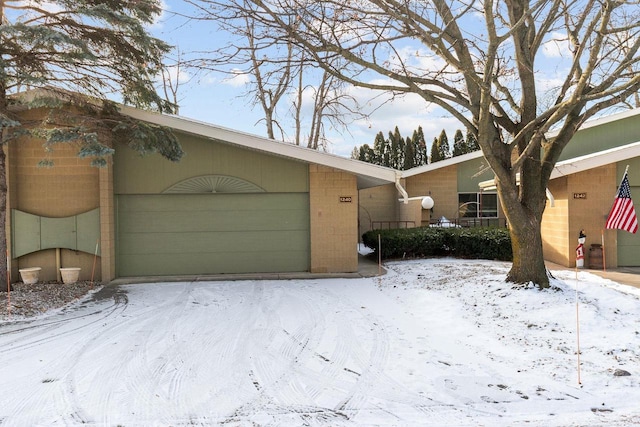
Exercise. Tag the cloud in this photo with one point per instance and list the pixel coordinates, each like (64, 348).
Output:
(557, 46)
(238, 79)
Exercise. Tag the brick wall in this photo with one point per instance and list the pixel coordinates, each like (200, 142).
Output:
(582, 202)
(334, 231)
(377, 204)
(68, 188)
(442, 185)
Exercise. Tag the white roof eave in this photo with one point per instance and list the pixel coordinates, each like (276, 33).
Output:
(584, 163)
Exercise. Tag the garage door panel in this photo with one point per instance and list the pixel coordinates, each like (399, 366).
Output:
(162, 243)
(209, 202)
(157, 222)
(208, 234)
(176, 264)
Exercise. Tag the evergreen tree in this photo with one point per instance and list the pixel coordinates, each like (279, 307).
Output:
(378, 149)
(472, 143)
(409, 154)
(443, 145)
(422, 158)
(435, 152)
(88, 47)
(459, 144)
(397, 149)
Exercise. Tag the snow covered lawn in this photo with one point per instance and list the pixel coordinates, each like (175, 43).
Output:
(434, 342)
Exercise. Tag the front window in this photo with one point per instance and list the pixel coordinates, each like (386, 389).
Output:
(477, 205)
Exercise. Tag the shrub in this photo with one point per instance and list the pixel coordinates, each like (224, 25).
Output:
(477, 243)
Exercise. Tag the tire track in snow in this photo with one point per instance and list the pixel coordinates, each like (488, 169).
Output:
(51, 375)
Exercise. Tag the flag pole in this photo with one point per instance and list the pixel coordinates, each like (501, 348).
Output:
(578, 328)
(604, 256)
(95, 257)
(8, 285)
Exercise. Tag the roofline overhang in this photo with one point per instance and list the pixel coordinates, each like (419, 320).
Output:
(369, 175)
(582, 163)
(441, 164)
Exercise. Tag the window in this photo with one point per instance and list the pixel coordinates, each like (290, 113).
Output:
(477, 205)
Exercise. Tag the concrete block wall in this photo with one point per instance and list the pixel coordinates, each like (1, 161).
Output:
(582, 202)
(442, 186)
(377, 204)
(556, 244)
(68, 188)
(334, 220)
(107, 224)
(590, 213)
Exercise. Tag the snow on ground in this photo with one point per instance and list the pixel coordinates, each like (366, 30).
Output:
(434, 342)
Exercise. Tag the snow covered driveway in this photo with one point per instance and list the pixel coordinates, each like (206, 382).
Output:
(434, 342)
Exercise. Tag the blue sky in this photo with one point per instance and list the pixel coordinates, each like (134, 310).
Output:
(221, 101)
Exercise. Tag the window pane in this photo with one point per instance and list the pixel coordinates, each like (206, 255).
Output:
(489, 203)
(467, 205)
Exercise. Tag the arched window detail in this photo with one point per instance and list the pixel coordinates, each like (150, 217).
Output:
(212, 184)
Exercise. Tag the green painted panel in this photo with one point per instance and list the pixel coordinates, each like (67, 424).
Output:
(215, 233)
(58, 232)
(628, 243)
(25, 233)
(88, 231)
(186, 264)
(31, 233)
(153, 174)
(471, 173)
(598, 138)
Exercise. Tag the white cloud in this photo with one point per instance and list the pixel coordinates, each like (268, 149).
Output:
(238, 79)
(557, 46)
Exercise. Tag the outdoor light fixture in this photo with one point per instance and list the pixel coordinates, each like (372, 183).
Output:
(427, 202)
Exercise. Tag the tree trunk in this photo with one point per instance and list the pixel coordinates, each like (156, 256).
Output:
(4, 286)
(528, 259)
(524, 226)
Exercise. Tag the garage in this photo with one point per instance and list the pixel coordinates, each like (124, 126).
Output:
(174, 234)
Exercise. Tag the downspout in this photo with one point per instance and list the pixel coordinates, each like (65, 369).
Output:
(552, 201)
(401, 190)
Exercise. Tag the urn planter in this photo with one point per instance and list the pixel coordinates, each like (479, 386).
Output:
(70, 274)
(30, 275)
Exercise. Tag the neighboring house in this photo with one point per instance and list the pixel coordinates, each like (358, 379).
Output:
(235, 203)
(580, 193)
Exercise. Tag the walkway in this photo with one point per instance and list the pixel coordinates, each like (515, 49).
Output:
(624, 275)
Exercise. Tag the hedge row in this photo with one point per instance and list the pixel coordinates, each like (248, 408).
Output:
(478, 243)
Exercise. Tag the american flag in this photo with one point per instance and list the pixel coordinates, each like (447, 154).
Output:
(623, 214)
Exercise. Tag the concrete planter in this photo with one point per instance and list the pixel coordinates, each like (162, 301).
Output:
(30, 275)
(70, 274)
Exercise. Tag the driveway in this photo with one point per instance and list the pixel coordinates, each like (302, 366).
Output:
(335, 352)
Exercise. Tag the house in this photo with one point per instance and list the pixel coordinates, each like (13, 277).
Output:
(580, 193)
(235, 203)
(238, 203)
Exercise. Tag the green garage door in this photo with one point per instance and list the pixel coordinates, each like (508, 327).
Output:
(628, 243)
(173, 234)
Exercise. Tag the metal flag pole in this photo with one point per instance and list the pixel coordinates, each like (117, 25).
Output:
(8, 286)
(95, 256)
(578, 328)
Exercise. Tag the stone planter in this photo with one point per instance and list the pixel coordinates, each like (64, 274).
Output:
(70, 274)
(30, 275)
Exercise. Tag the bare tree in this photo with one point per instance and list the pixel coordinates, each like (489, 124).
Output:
(174, 74)
(282, 78)
(480, 61)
